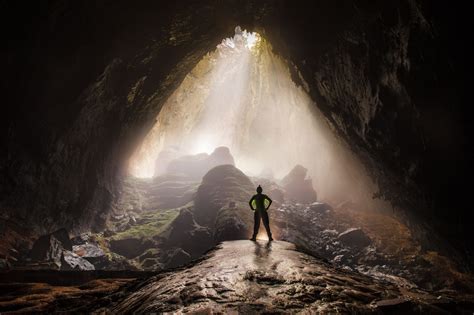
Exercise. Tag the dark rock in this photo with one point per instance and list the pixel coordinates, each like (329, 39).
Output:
(130, 247)
(176, 257)
(80, 239)
(63, 237)
(298, 187)
(150, 253)
(230, 228)
(49, 247)
(397, 305)
(4, 264)
(116, 262)
(46, 248)
(152, 264)
(108, 233)
(320, 207)
(71, 261)
(185, 233)
(354, 237)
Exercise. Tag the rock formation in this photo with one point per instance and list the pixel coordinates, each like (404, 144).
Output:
(298, 187)
(196, 166)
(221, 186)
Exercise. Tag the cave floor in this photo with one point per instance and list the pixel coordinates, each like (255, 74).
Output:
(46, 291)
(237, 277)
(254, 277)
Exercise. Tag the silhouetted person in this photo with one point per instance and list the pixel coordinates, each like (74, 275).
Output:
(260, 211)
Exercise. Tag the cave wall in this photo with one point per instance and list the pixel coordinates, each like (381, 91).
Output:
(84, 81)
(393, 81)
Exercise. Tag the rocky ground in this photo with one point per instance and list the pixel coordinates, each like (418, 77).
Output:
(252, 277)
(372, 243)
(28, 292)
(174, 219)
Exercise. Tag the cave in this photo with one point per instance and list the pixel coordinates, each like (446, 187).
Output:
(135, 135)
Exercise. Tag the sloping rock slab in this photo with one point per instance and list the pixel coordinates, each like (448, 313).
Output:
(71, 261)
(253, 277)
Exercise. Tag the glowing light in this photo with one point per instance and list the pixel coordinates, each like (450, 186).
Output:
(262, 235)
(242, 96)
(251, 39)
(204, 144)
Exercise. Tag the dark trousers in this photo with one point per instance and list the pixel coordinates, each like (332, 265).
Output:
(266, 222)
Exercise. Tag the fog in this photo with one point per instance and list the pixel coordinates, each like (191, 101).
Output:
(242, 96)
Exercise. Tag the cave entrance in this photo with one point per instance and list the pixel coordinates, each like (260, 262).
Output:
(239, 105)
(241, 96)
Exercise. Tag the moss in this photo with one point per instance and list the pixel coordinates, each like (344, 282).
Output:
(102, 243)
(153, 223)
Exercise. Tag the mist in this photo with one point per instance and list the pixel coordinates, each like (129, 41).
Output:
(242, 96)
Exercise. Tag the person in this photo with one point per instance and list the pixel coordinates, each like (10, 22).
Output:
(257, 204)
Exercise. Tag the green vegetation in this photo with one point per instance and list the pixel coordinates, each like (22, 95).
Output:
(149, 225)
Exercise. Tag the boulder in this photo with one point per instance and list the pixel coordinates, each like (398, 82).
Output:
(63, 236)
(220, 186)
(320, 207)
(176, 257)
(71, 261)
(354, 237)
(298, 187)
(91, 252)
(50, 246)
(46, 248)
(220, 156)
(231, 228)
(185, 233)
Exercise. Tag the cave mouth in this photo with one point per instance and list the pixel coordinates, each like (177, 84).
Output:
(242, 96)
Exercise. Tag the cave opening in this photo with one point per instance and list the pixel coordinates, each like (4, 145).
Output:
(241, 97)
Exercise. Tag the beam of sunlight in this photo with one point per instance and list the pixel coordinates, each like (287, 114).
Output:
(242, 96)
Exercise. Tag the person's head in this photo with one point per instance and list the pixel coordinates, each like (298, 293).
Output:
(259, 189)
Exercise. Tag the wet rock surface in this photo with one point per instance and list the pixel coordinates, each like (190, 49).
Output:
(255, 277)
